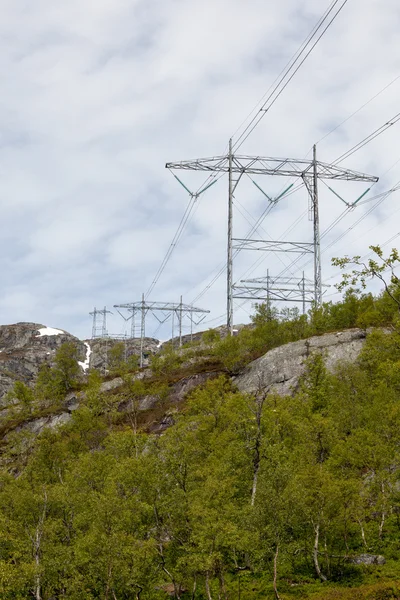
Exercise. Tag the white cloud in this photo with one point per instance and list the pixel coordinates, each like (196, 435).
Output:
(97, 96)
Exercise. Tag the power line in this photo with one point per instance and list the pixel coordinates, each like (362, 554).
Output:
(363, 142)
(388, 193)
(352, 150)
(359, 109)
(263, 258)
(264, 108)
(381, 197)
(220, 270)
(173, 244)
(289, 64)
(277, 91)
(384, 195)
(369, 138)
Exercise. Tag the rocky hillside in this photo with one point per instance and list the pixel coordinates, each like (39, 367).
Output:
(24, 347)
(312, 467)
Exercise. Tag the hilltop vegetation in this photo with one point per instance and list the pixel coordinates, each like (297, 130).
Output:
(248, 496)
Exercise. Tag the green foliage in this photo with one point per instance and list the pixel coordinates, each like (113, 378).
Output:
(231, 353)
(270, 329)
(166, 362)
(23, 396)
(116, 358)
(239, 483)
(54, 382)
(119, 363)
(210, 337)
(374, 268)
(376, 591)
(66, 368)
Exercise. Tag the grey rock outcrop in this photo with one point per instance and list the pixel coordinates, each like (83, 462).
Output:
(280, 369)
(113, 384)
(24, 347)
(36, 426)
(175, 395)
(368, 559)
(186, 385)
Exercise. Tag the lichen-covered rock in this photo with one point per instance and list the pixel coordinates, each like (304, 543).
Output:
(166, 422)
(36, 426)
(113, 384)
(146, 403)
(280, 369)
(183, 387)
(72, 401)
(368, 559)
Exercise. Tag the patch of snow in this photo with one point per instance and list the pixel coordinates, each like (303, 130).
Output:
(85, 364)
(49, 331)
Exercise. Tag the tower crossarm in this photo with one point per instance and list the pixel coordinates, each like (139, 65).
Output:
(163, 306)
(100, 312)
(260, 165)
(261, 288)
(281, 294)
(271, 280)
(271, 245)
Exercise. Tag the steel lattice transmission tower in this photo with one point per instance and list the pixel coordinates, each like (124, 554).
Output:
(309, 171)
(281, 289)
(167, 309)
(99, 327)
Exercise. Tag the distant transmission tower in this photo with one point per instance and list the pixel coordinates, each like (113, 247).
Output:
(309, 171)
(99, 328)
(166, 309)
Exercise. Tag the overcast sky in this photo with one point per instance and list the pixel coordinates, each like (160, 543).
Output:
(97, 95)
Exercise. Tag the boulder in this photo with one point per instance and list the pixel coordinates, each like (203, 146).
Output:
(113, 384)
(280, 369)
(368, 559)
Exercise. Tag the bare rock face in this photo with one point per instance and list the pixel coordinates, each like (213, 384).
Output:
(115, 383)
(186, 385)
(36, 426)
(280, 369)
(24, 347)
(176, 394)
